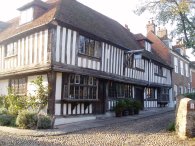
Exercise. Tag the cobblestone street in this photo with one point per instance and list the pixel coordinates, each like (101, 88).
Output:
(149, 131)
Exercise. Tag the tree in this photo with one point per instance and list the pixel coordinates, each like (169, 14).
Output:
(179, 12)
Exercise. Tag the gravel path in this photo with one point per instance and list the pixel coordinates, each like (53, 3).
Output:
(144, 132)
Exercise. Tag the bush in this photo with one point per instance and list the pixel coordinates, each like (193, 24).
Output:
(3, 111)
(27, 120)
(2, 101)
(7, 120)
(44, 122)
(171, 127)
(190, 95)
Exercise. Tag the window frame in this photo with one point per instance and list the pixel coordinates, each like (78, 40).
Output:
(81, 90)
(181, 67)
(89, 47)
(17, 86)
(176, 65)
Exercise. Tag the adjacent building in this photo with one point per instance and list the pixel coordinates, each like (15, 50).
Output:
(87, 59)
(174, 55)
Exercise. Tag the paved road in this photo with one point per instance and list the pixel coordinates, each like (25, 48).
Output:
(149, 131)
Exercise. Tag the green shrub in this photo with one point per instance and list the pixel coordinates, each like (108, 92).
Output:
(190, 95)
(27, 120)
(137, 104)
(171, 127)
(2, 101)
(44, 122)
(15, 103)
(7, 120)
(3, 111)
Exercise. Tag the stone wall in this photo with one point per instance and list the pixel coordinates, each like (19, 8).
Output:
(185, 117)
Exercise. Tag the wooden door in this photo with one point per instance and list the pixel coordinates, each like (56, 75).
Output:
(139, 95)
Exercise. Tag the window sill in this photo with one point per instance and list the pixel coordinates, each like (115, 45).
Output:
(159, 75)
(7, 57)
(139, 69)
(87, 56)
(77, 100)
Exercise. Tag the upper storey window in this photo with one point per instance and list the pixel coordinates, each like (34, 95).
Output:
(11, 49)
(89, 47)
(148, 46)
(26, 16)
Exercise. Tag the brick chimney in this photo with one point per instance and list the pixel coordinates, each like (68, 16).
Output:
(127, 27)
(162, 33)
(151, 27)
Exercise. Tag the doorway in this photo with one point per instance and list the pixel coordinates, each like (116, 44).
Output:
(139, 95)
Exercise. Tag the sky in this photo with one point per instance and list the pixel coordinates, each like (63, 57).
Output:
(119, 10)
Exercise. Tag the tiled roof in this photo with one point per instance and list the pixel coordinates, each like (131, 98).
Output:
(140, 36)
(34, 3)
(154, 56)
(78, 16)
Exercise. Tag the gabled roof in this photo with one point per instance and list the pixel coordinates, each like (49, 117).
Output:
(159, 47)
(76, 15)
(80, 16)
(14, 28)
(151, 55)
(140, 37)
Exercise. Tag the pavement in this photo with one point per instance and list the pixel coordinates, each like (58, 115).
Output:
(101, 121)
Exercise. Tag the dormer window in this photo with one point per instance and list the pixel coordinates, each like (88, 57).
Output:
(26, 16)
(32, 10)
(147, 46)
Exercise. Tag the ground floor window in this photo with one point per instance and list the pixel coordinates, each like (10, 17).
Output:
(150, 93)
(119, 90)
(80, 87)
(18, 86)
(164, 94)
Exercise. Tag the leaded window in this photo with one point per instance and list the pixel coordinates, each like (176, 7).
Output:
(119, 90)
(81, 87)
(18, 86)
(150, 93)
(89, 47)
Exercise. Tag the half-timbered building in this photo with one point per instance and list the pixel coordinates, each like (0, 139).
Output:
(87, 59)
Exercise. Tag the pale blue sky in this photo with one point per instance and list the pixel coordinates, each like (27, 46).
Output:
(119, 10)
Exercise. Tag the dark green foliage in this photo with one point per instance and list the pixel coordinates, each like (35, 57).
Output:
(44, 122)
(137, 105)
(7, 120)
(27, 120)
(171, 127)
(190, 95)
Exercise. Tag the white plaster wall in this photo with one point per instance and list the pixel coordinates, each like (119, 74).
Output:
(58, 86)
(4, 87)
(31, 88)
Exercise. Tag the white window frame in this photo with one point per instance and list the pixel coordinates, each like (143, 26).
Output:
(187, 70)
(180, 89)
(148, 46)
(181, 67)
(175, 90)
(176, 64)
